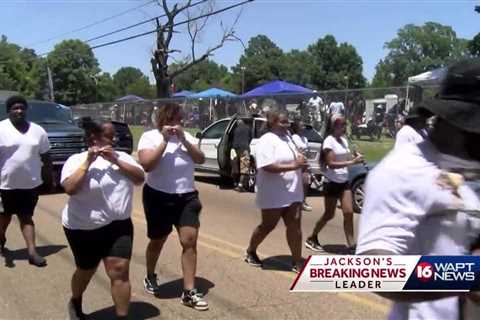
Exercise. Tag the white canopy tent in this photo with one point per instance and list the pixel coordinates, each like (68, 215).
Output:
(429, 78)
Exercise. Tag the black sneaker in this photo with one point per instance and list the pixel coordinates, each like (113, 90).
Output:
(150, 283)
(37, 261)
(313, 245)
(194, 300)
(351, 250)
(252, 259)
(75, 312)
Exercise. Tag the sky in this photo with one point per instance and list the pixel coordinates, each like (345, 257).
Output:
(291, 24)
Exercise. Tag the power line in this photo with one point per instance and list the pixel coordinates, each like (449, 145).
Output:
(174, 25)
(92, 24)
(136, 24)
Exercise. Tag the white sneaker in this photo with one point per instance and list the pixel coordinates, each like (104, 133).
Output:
(194, 300)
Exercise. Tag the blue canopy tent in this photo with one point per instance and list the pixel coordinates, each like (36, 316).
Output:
(183, 94)
(277, 87)
(212, 93)
(130, 98)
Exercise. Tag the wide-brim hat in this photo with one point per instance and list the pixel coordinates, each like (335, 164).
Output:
(458, 101)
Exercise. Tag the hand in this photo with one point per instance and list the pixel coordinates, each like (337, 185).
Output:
(92, 154)
(178, 130)
(167, 132)
(109, 154)
(301, 162)
(358, 159)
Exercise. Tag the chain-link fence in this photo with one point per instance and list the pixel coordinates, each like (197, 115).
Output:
(360, 106)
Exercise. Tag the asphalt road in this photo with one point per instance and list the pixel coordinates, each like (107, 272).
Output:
(233, 289)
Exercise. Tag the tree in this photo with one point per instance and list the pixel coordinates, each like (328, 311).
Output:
(75, 72)
(20, 69)
(125, 76)
(262, 61)
(335, 66)
(165, 32)
(107, 91)
(474, 45)
(417, 49)
(142, 88)
(201, 76)
(297, 66)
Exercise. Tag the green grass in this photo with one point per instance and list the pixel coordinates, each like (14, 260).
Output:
(374, 150)
(371, 150)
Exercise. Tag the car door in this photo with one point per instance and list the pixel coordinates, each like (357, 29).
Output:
(223, 152)
(209, 141)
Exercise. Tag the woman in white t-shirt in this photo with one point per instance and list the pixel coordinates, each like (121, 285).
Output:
(336, 157)
(301, 142)
(279, 188)
(96, 219)
(170, 198)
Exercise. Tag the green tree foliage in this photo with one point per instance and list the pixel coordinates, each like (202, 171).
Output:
(142, 88)
(417, 49)
(107, 91)
(335, 66)
(125, 76)
(262, 61)
(201, 76)
(474, 45)
(20, 69)
(297, 66)
(75, 72)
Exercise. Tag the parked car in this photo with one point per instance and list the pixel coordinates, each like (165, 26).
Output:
(57, 120)
(123, 139)
(215, 142)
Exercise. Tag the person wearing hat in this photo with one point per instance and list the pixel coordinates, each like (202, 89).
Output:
(23, 152)
(417, 198)
(413, 129)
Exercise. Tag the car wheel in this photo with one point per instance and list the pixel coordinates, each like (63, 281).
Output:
(358, 194)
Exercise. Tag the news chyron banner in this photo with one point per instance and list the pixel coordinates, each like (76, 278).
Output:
(389, 273)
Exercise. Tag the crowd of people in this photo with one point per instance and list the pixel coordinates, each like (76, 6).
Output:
(422, 199)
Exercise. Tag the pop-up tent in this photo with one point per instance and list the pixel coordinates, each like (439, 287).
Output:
(429, 78)
(183, 94)
(212, 94)
(276, 87)
(130, 98)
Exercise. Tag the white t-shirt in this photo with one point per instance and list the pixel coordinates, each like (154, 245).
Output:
(174, 172)
(342, 153)
(20, 161)
(105, 196)
(277, 190)
(336, 108)
(407, 135)
(300, 141)
(315, 102)
(402, 213)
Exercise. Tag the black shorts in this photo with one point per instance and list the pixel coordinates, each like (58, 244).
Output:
(334, 189)
(89, 247)
(19, 201)
(165, 210)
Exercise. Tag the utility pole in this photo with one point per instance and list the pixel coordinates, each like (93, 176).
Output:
(51, 91)
(243, 78)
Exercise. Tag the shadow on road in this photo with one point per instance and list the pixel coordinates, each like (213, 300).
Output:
(279, 263)
(138, 311)
(22, 254)
(173, 289)
(336, 248)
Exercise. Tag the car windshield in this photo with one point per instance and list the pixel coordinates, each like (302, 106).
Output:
(44, 112)
(312, 135)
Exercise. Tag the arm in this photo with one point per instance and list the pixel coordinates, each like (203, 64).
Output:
(333, 164)
(47, 169)
(148, 158)
(74, 182)
(195, 153)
